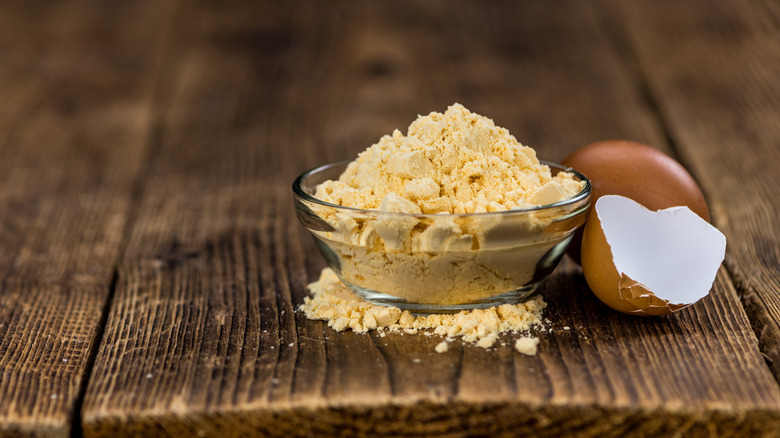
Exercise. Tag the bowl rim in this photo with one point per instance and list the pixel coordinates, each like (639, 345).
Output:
(582, 196)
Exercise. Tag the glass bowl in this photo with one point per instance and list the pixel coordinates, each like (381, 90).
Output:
(439, 263)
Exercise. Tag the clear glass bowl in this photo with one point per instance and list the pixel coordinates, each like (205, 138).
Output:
(439, 263)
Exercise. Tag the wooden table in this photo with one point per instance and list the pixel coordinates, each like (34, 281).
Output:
(151, 263)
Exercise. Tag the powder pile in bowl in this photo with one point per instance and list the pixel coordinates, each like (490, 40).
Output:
(456, 162)
(448, 166)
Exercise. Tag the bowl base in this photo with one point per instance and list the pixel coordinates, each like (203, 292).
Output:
(513, 297)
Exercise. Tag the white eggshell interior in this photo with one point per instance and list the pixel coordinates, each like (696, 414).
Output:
(673, 252)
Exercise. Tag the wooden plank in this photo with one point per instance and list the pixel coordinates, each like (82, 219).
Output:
(716, 82)
(202, 337)
(76, 83)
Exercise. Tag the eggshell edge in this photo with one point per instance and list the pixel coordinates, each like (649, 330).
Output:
(618, 291)
(696, 200)
(620, 180)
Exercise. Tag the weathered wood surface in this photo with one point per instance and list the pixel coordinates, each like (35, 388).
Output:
(74, 122)
(211, 116)
(202, 334)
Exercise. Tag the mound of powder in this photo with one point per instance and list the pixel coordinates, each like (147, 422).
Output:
(456, 162)
(447, 164)
(335, 303)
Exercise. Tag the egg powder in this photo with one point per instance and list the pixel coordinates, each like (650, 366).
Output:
(335, 303)
(456, 162)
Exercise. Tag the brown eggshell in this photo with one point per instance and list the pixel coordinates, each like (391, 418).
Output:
(636, 171)
(617, 291)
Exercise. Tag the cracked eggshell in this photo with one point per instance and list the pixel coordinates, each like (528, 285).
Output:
(636, 171)
(644, 262)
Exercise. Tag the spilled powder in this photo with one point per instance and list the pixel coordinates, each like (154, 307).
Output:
(527, 345)
(335, 303)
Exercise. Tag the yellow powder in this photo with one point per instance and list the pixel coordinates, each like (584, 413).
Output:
(456, 162)
(335, 303)
(527, 345)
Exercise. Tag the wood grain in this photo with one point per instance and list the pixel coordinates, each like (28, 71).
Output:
(715, 80)
(202, 337)
(73, 125)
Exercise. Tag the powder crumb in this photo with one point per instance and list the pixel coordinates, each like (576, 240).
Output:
(567, 328)
(442, 347)
(335, 303)
(527, 345)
